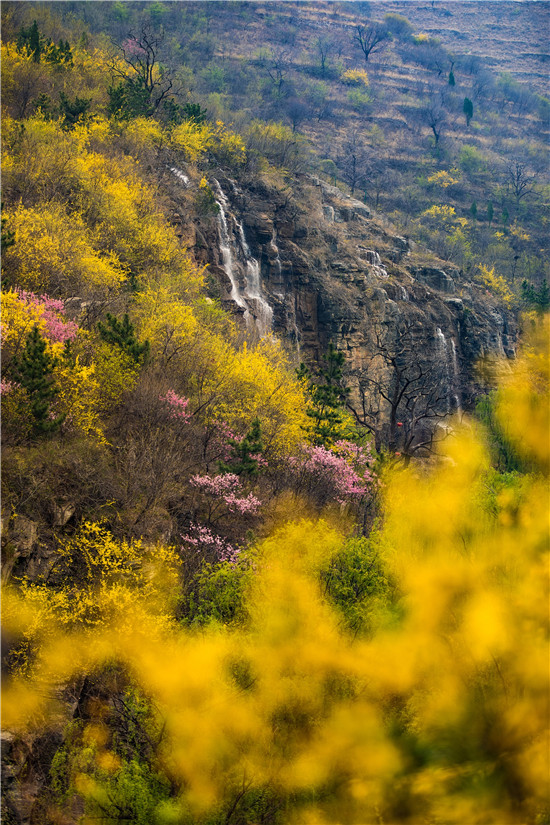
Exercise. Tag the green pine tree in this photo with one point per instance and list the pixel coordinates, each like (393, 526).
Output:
(243, 460)
(536, 298)
(327, 398)
(8, 236)
(72, 111)
(130, 98)
(30, 39)
(34, 371)
(468, 109)
(194, 112)
(121, 333)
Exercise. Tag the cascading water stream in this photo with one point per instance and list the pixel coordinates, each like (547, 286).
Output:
(442, 352)
(264, 313)
(288, 298)
(275, 248)
(256, 309)
(180, 175)
(456, 377)
(295, 330)
(227, 255)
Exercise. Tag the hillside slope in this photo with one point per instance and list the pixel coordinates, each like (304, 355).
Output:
(231, 592)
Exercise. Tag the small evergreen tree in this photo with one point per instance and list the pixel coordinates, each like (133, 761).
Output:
(122, 334)
(536, 298)
(45, 104)
(473, 210)
(34, 371)
(194, 112)
(72, 111)
(60, 55)
(327, 398)
(468, 109)
(452, 81)
(130, 98)
(245, 453)
(543, 297)
(8, 236)
(31, 40)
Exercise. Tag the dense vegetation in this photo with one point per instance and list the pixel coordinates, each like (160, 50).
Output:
(222, 606)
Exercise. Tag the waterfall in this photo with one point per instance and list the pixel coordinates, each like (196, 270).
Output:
(275, 248)
(290, 306)
(456, 378)
(236, 253)
(227, 255)
(263, 313)
(442, 353)
(180, 175)
(403, 294)
(289, 298)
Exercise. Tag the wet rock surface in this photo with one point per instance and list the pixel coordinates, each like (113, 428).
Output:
(332, 272)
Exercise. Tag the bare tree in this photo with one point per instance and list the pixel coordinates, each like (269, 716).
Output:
(352, 161)
(143, 70)
(430, 54)
(371, 38)
(297, 110)
(275, 62)
(324, 47)
(24, 86)
(519, 180)
(435, 115)
(404, 392)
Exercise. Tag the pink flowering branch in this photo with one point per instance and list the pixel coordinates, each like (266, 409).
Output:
(177, 406)
(222, 441)
(132, 47)
(342, 472)
(203, 540)
(243, 506)
(57, 329)
(261, 462)
(7, 387)
(216, 485)
(355, 453)
(226, 487)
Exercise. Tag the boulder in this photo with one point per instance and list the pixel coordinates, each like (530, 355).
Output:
(436, 279)
(62, 513)
(23, 534)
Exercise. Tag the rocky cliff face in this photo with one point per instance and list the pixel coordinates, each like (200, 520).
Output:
(314, 266)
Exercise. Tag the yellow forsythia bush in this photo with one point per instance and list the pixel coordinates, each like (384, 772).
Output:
(355, 77)
(439, 716)
(54, 253)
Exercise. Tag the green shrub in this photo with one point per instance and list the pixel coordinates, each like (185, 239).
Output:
(471, 160)
(359, 101)
(217, 594)
(503, 456)
(357, 584)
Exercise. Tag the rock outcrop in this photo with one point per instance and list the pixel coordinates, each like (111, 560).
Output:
(330, 271)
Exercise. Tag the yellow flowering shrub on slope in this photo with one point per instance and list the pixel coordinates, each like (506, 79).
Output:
(84, 220)
(78, 397)
(439, 716)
